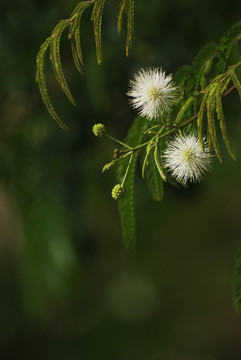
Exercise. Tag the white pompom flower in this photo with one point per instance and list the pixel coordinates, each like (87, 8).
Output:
(185, 158)
(152, 93)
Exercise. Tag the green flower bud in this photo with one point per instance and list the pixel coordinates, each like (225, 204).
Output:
(99, 130)
(118, 192)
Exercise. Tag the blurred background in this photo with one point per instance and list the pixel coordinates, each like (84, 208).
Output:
(68, 288)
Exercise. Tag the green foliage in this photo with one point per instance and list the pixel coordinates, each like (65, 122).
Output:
(73, 23)
(127, 6)
(220, 116)
(55, 58)
(96, 17)
(40, 78)
(212, 104)
(202, 88)
(126, 205)
(153, 177)
(74, 34)
(184, 109)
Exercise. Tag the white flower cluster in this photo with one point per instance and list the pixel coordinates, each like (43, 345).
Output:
(153, 93)
(185, 158)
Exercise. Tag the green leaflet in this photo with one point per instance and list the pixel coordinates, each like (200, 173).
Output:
(183, 109)
(74, 34)
(222, 124)
(128, 7)
(120, 15)
(126, 205)
(41, 80)
(151, 174)
(145, 160)
(153, 179)
(130, 25)
(158, 163)
(55, 58)
(96, 17)
(201, 116)
(212, 134)
(235, 80)
(237, 281)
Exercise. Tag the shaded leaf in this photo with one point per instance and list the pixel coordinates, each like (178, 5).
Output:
(126, 205)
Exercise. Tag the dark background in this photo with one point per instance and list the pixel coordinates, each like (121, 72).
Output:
(68, 288)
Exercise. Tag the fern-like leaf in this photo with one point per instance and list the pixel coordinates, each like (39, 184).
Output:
(200, 119)
(127, 6)
(126, 205)
(55, 58)
(153, 179)
(130, 25)
(183, 109)
(212, 134)
(41, 80)
(235, 80)
(74, 34)
(222, 124)
(96, 17)
(121, 15)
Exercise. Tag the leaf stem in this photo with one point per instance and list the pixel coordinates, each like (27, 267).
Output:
(127, 169)
(118, 141)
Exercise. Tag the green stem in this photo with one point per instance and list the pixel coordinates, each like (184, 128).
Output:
(127, 169)
(118, 141)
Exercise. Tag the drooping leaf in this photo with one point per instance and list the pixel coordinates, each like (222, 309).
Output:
(96, 17)
(55, 58)
(153, 179)
(120, 15)
(183, 109)
(126, 205)
(74, 34)
(41, 80)
(200, 119)
(212, 134)
(235, 80)
(222, 124)
(126, 6)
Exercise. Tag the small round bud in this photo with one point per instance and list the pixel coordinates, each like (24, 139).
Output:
(99, 130)
(118, 192)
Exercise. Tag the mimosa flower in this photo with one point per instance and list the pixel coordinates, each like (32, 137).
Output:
(152, 92)
(185, 158)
